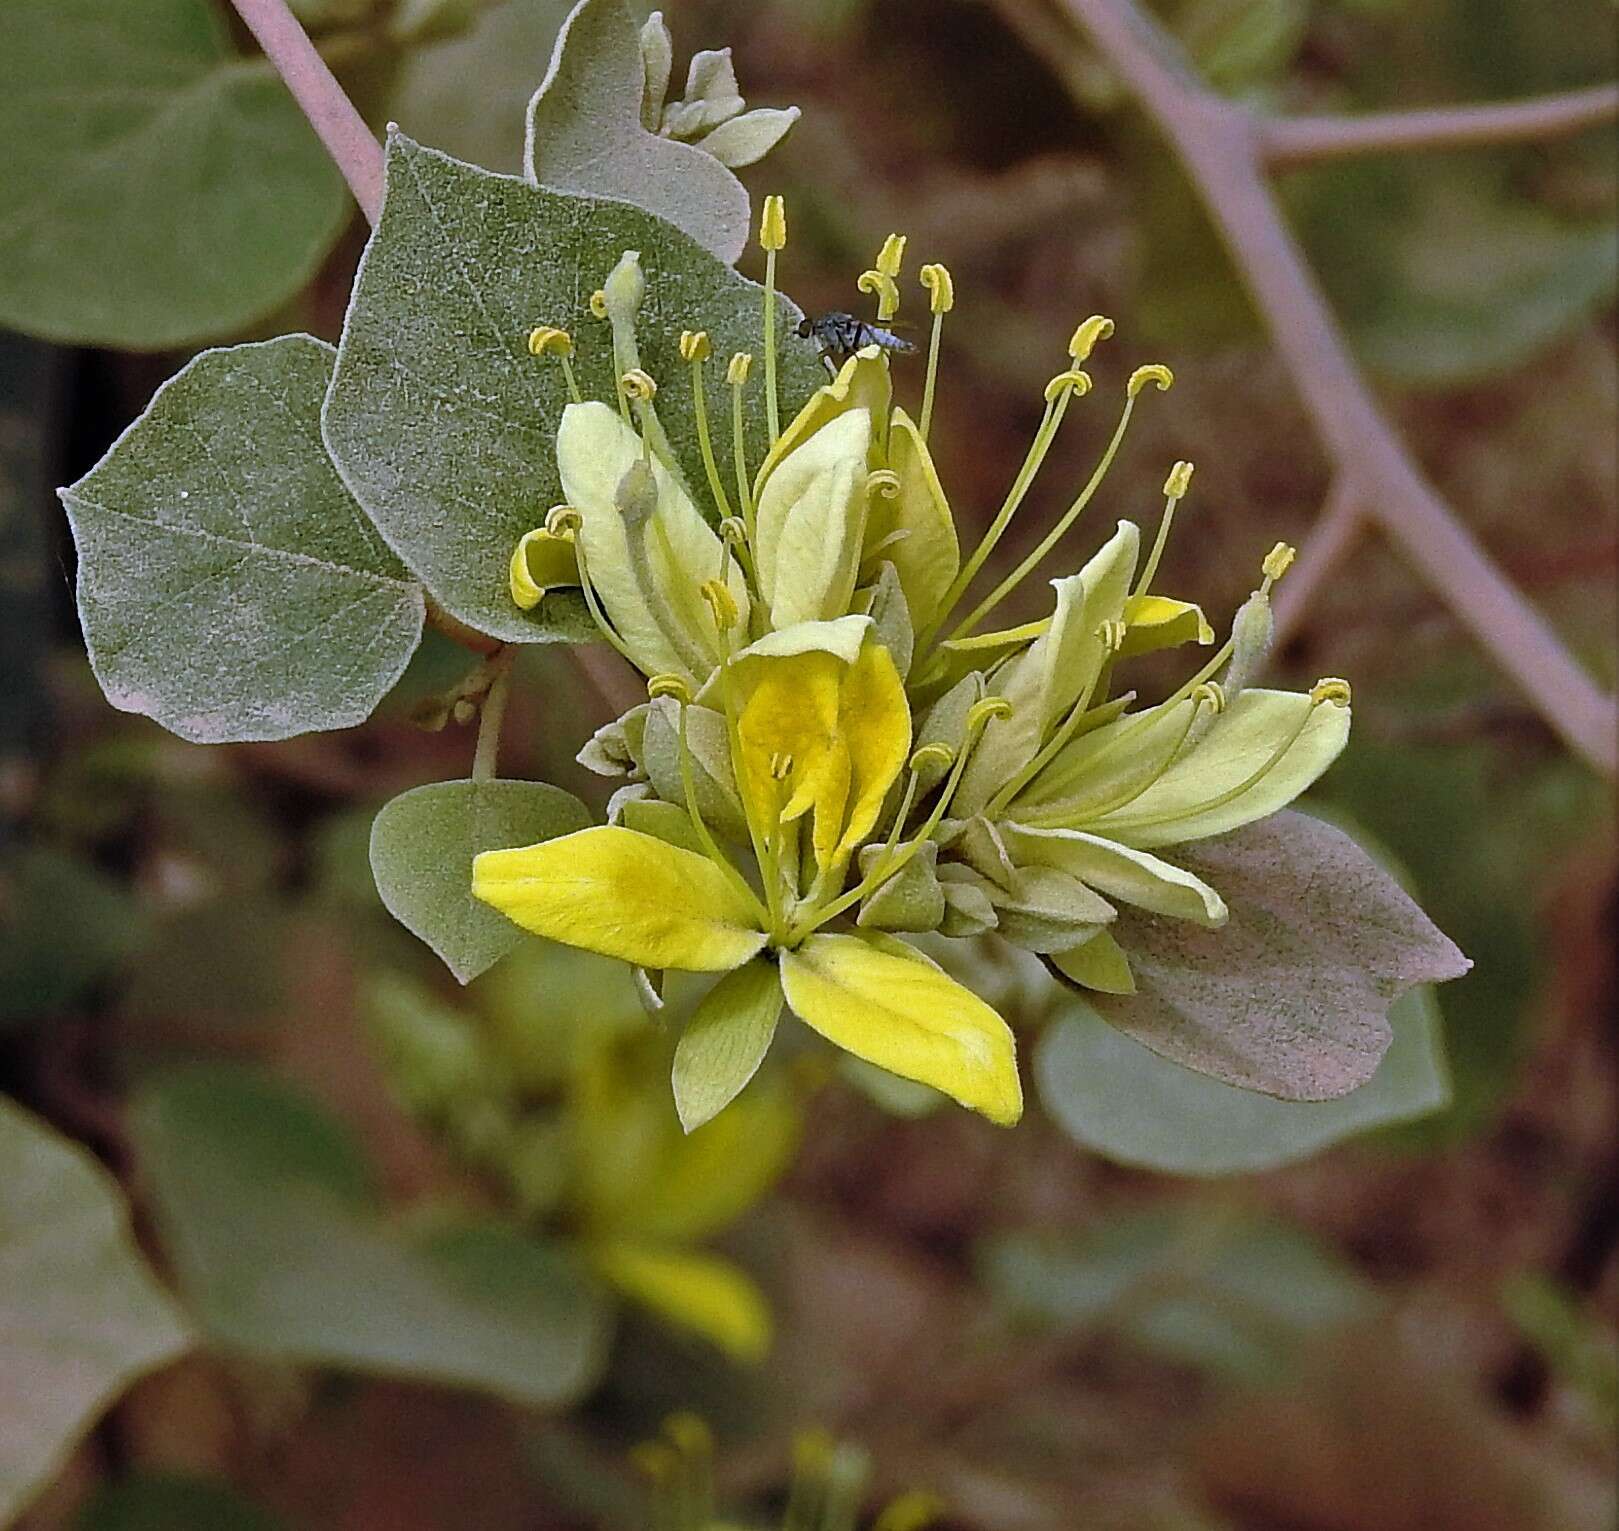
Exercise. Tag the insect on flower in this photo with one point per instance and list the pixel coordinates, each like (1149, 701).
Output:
(840, 335)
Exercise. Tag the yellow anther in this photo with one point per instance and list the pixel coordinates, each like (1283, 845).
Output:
(886, 290)
(781, 766)
(598, 303)
(1210, 694)
(694, 345)
(1073, 381)
(563, 521)
(638, 385)
(883, 481)
(773, 224)
(722, 603)
(734, 530)
(1330, 689)
(1153, 372)
(892, 255)
(938, 756)
(980, 713)
(940, 285)
(1179, 481)
(736, 372)
(1084, 339)
(671, 685)
(690, 1433)
(548, 340)
(1112, 634)
(1278, 561)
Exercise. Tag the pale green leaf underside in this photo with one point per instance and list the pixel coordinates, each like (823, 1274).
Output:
(1119, 1098)
(422, 845)
(585, 136)
(282, 1257)
(80, 1315)
(1291, 996)
(158, 188)
(725, 1041)
(441, 422)
(229, 586)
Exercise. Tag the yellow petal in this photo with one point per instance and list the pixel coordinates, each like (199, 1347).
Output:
(788, 727)
(874, 719)
(861, 383)
(811, 523)
(1157, 622)
(926, 555)
(698, 1292)
(625, 895)
(907, 1017)
(541, 562)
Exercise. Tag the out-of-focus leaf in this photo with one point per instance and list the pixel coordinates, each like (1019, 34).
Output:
(261, 1202)
(80, 1315)
(585, 136)
(1212, 1288)
(449, 440)
(213, 968)
(229, 586)
(170, 1502)
(63, 925)
(159, 189)
(1443, 273)
(1291, 995)
(1240, 44)
(505, 53)
(422, 845)
(1119, 1098)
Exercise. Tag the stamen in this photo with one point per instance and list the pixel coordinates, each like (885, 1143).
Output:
(1175, 487)
(882, 279)
(1084, 339)
(736, 374)
(1111, 634)
(598, 303)
(695, 349)
(668, 683)
(884, 482)
(721, 603)
(1212, 695)
(941, 299)
(563, 521)
(1277, 562)
(593, 603)
(1138, 380)
(1062, 388)
(781, 766)
(1330, 692)
(734, 534)
(772, 237)
(639, 387)
(547, 340)
(1154, 372)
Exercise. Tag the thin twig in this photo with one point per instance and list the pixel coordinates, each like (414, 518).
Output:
(351, 144)
(491, 718)
(1289, 141)
(1220, 146)
(1336, 531)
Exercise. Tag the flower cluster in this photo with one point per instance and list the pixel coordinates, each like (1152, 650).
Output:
(838, 750)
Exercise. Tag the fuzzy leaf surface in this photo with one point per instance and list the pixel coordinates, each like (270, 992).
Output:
(585, 136)
(444, 426)
(229, 586)
(422, 845)
(1291, 997)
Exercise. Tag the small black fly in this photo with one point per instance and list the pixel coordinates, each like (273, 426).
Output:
(839, 336)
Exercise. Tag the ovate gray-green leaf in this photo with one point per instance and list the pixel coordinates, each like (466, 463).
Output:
(585, 136)
(159, 189)
(726, 1040)
(1122, 1100)
(1291, 997)
(229, 586)
(422, 845)
(262, 1204)
(80, 1315)
(444, 425)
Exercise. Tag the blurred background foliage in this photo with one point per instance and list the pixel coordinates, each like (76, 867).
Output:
(414, 1222)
